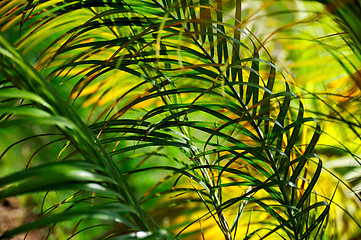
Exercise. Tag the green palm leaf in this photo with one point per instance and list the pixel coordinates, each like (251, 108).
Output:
(181, 88)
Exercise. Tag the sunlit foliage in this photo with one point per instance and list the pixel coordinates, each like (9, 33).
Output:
(183, 119)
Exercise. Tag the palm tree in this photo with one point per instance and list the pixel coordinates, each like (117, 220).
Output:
(166, 119)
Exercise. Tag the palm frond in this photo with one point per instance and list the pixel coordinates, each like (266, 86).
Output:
(181, 88)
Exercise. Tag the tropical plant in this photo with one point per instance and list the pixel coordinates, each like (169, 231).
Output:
(165, 119)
